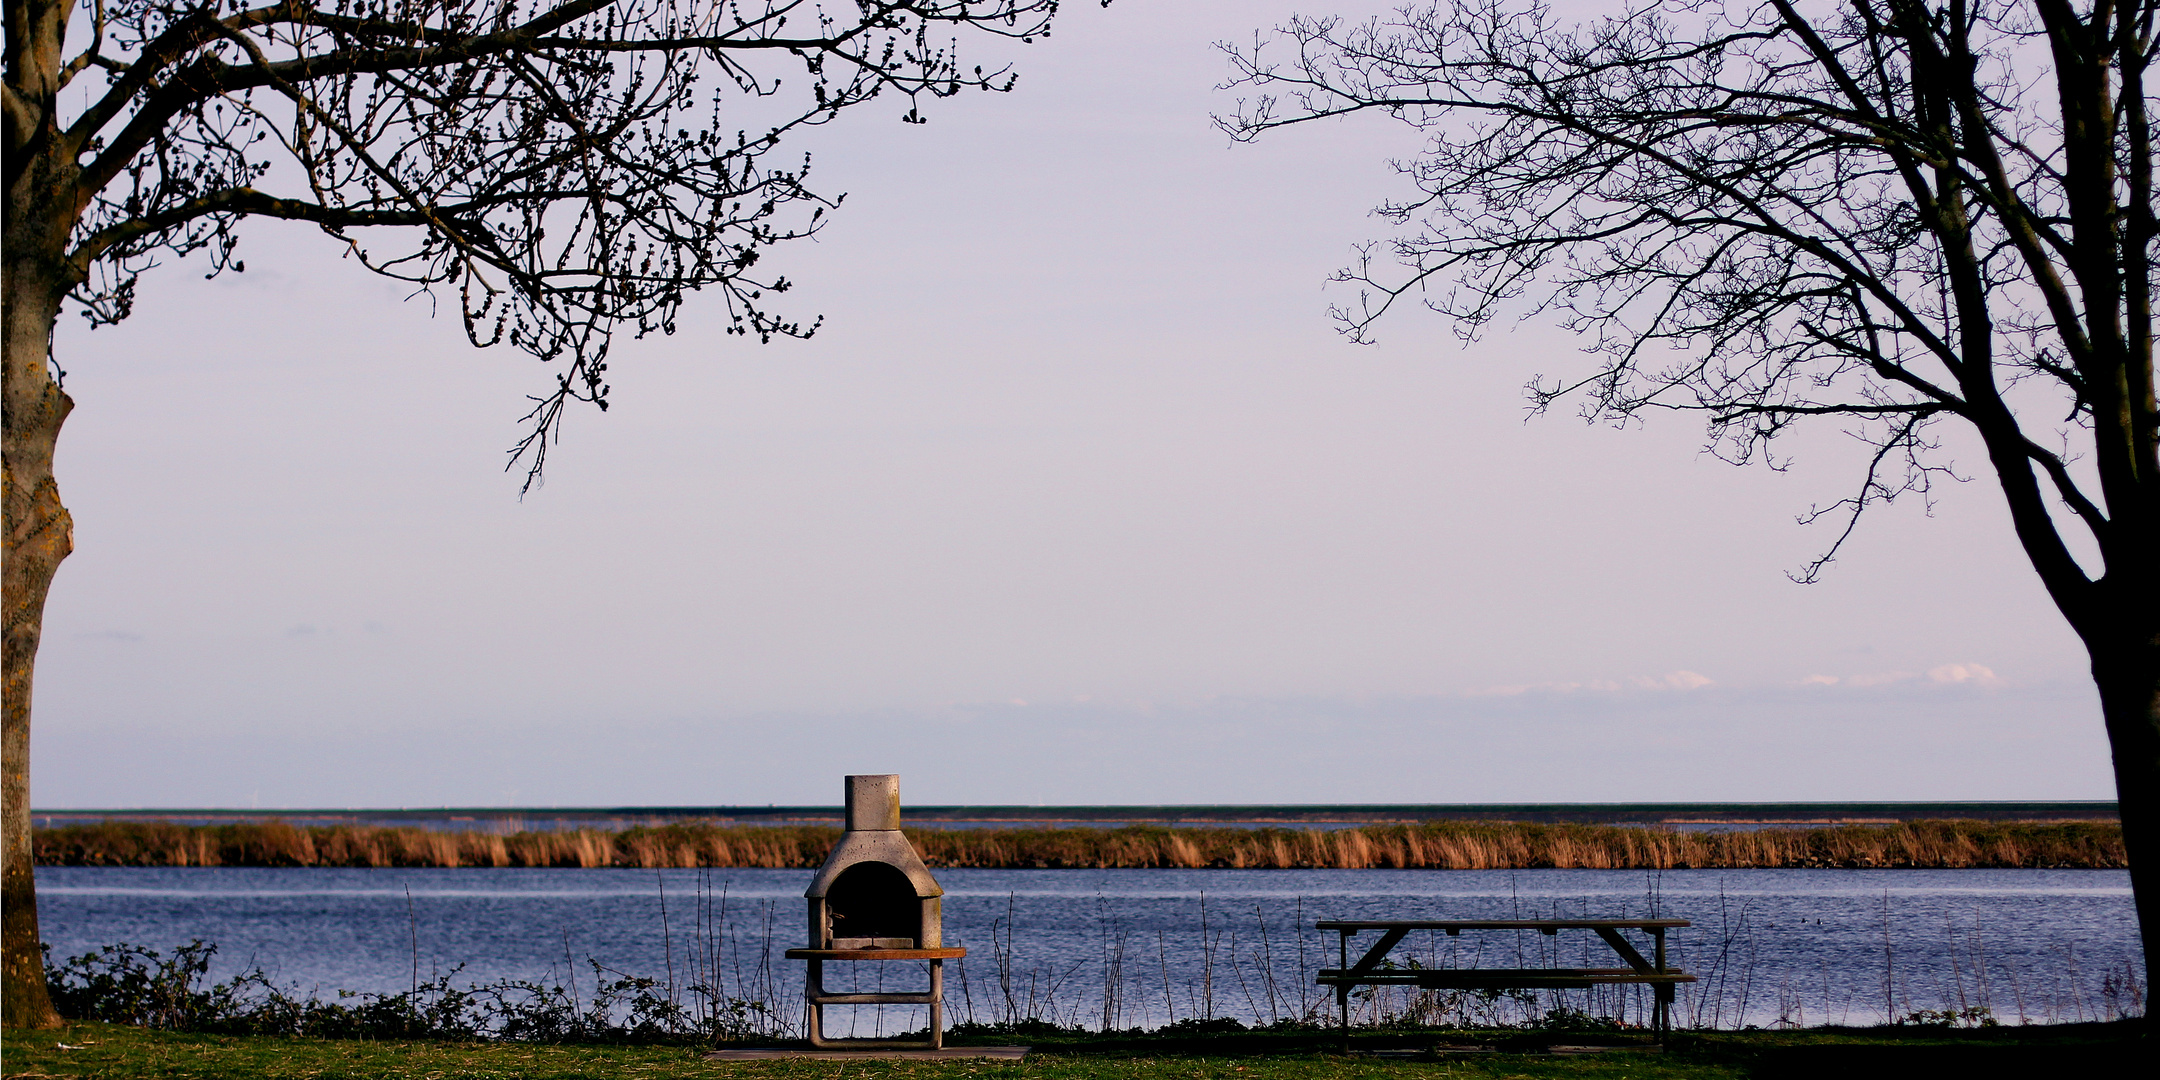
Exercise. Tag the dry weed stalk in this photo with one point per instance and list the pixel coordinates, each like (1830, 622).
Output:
(1431, 845)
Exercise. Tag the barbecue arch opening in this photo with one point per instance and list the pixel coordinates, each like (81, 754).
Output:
(873, 905)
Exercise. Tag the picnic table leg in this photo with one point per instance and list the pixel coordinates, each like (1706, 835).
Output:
(1342, 992)
(1662, 994)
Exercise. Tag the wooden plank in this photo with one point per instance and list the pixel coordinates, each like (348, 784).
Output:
(1501, 924)
(1502, 978)
(1379, 951)
(875, 954)
(869, 999)
(1338, 975)
(1627, 951)
(1459, 981)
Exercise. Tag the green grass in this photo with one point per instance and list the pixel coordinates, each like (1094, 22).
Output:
(109, 1051)
(104, 1050)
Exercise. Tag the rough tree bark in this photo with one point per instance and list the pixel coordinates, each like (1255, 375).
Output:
(39, 531)
(39, 535)
(2127, 671)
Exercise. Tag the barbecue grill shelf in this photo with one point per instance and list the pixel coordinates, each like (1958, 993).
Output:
(876, 954)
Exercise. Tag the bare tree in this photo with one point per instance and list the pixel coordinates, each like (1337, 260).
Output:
(556, 169)
(1885, 214)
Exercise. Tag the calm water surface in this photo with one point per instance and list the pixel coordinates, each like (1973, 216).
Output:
(1140, 947)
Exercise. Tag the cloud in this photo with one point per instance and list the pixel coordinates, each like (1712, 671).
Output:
(1943, 675)
(1685, 681)
(1509, 690)
(1977, 674)
(1677, 680)
(1880, 678)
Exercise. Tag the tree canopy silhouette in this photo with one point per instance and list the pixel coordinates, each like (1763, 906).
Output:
(556, 170)
(1886, 214)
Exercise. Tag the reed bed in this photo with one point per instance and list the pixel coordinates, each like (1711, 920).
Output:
(1933, 845)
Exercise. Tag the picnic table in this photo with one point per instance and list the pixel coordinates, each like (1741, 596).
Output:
(1651, 971)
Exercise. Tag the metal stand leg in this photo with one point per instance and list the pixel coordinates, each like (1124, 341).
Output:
(814, 1013)
(937, 1004)
(816, 998)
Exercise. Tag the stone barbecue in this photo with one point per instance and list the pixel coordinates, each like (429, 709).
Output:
(873, 899)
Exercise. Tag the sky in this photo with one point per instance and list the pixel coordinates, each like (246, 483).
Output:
(1076, 498)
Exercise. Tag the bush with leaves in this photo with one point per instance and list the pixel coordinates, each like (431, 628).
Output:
(129, 984)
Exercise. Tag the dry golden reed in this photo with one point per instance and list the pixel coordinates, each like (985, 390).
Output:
(1442, 845)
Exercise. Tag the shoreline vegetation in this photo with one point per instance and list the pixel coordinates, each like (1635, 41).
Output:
(1441, 845)
(2113, 1049)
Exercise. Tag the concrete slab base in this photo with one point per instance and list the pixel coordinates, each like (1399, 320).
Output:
(949, 1053)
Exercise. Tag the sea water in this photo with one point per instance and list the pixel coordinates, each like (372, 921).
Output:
(1127, 948)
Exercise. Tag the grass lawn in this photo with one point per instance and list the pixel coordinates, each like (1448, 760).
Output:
(103, 1050)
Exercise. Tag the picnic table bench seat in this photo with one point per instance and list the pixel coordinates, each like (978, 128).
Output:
(1538, 978)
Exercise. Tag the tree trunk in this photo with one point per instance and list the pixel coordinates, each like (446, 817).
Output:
(39, 534)
(41, 211)
(2128, 676)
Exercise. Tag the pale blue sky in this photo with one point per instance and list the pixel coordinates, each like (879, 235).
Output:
(1077, 498)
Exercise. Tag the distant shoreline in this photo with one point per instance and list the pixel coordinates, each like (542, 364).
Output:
(1292, 815)
(1442, 845)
